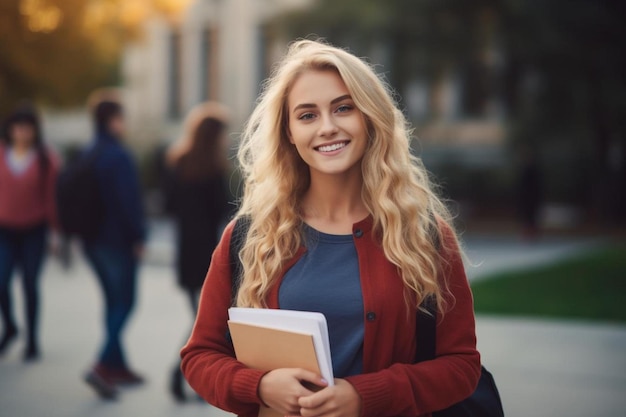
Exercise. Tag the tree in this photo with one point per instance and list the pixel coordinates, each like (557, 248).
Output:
(56, 51)
(50, 59)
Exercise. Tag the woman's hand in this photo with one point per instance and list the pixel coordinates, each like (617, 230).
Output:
(340, 400)
(281, 389)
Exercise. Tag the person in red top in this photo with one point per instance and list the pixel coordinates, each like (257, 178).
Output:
(28, 172)
(342, 220)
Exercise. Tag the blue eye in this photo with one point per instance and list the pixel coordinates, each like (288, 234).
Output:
(344, 108)
(306, 116)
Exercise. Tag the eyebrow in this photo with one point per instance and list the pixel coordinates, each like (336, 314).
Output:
(333, 101)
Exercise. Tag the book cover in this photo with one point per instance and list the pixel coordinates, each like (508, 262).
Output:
(266, 349)
(306, 322)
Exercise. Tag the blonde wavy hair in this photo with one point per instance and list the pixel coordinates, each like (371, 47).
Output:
(396, 189)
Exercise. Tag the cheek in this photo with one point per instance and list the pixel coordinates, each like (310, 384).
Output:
(296, 134)
(360, 127)
(299, 147)
(299, 144)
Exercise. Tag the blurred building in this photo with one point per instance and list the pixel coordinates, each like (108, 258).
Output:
(474, 89)
(218, 50)
(224, 49)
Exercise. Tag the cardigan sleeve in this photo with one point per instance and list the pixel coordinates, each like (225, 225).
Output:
(419, 389)
(208, 359)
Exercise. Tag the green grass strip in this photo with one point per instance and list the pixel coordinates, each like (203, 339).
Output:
(591, 286)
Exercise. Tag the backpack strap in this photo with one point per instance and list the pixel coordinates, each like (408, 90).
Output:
(425, 331)
(237, 239)
(426, 316)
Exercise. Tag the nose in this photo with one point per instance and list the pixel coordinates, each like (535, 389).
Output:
(328, 127)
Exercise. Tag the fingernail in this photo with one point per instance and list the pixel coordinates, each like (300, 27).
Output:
(324, 381)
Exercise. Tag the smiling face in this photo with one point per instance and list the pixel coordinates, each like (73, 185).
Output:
(326, 127)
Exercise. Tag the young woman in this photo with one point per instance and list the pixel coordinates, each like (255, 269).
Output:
(198, 200)
(28, 174)
(342, 220)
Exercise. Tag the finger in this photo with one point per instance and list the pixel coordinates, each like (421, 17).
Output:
(311, 377)
(314, 400)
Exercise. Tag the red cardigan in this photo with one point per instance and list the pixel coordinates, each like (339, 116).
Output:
(391, 385)
(24, 202)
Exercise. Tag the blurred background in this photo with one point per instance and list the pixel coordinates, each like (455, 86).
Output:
(488, 84)
(517, 106)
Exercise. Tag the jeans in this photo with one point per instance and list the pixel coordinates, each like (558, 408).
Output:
(22, 250)
(116, 270)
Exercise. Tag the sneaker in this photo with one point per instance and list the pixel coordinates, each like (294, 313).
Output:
(31, 354)
(99, 382)
(123, 377)
(176, 386)
(9, 336)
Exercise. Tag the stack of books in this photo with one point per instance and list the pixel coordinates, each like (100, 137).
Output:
(268, 339)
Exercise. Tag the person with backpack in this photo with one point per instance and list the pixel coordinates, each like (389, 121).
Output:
(115, 248)
(28, 172)
(340, 219)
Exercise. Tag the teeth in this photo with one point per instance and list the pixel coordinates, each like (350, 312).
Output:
(333, 147)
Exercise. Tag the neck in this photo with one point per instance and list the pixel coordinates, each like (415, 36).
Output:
(104, 134)
(333, 203)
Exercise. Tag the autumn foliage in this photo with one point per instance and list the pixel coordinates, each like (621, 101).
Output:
(56, 51)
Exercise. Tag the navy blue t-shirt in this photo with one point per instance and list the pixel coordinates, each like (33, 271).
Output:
(327, 280)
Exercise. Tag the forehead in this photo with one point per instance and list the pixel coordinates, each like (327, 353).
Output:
(22, 123)
(316, 87)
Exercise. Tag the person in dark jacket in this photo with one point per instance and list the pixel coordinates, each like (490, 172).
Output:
(116, 250)
(198, 200)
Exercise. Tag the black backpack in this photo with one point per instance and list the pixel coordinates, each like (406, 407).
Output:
(79, 200)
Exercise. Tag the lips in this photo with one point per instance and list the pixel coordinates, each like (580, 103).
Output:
(332, 147)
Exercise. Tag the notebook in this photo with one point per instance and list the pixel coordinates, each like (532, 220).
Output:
(269, 339)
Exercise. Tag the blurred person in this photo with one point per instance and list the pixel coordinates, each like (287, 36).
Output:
(198, 199)
(28, 172)
(116, 249)
(341, 219)
(529, 192)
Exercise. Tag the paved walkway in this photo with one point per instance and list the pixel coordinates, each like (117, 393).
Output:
(543, 368)
(490, 255)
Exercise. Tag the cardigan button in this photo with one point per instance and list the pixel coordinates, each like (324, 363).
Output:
(358, 233)
(370, 316)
